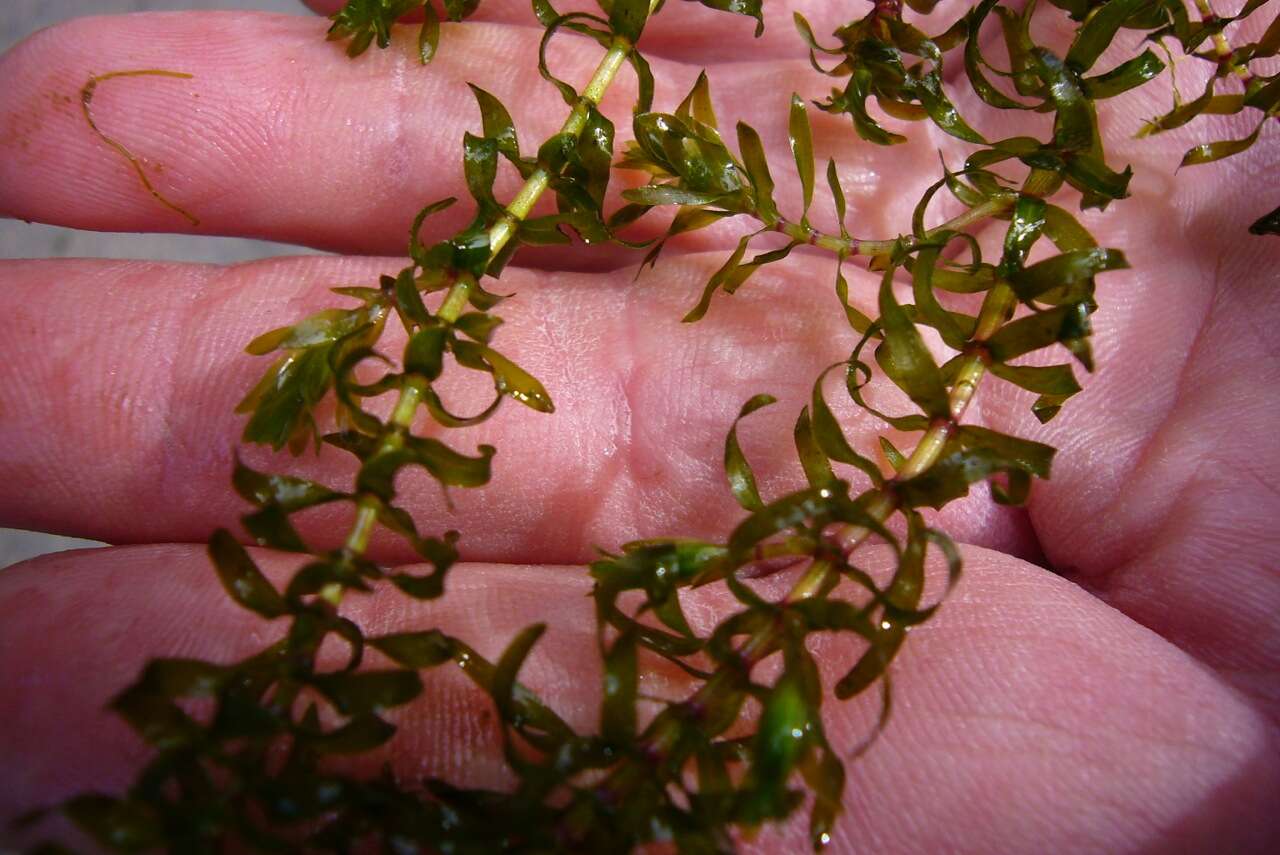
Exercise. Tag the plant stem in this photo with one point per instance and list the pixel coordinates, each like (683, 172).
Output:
(503, 230)
(854, 246)
(659, 738)
(455, 301)
(1221, 46)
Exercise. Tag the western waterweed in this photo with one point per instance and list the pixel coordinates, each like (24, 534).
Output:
(253, 764)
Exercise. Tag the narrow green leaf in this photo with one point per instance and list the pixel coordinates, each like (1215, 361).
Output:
(290, 493)
(716, 280)
(241, 577)
(1065, 230)
(668, 194)
(922, 272)
(408, 300)
(857, 320)
(480, 167)
(497, 123)
(800, 134)
(837, 194)
(854, 102)
(1099, 182)
(183, 678)
(1128, 75)
(315, 577)
(1074, 123)
(753, 157)
(270, 527)
(782, 739)
(363, 21)
(509, 379)
(282, 402)
(326, 326)
(377, 475)
(424, 352)
(1268, 224)
(507, 668)
(1036, 458)
(368, 692)
(1047, 380)
(1066, 324)
(750, 8)
(787, 512)
(928, 89)
(969, 281)
(458, 10)
(1209, 152)
(1025, 227)
(697, 104)
(429, 35)
(973, 61)
(1181, 114)
(742, 480)
(161, 723)
(416, 650)
(618, 707)
(830, 437)
(824, 773)
(905, 359)
(949, 478)
(627, 18)
(1018, 44)
(478, 325)
(895, 457)
(816, 465)
(1064, 271)
(416, 249)
(1099, 30)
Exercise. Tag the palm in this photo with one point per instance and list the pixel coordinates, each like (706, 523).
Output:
(1031, 714)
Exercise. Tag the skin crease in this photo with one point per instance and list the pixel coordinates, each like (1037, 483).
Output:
(1130, 707)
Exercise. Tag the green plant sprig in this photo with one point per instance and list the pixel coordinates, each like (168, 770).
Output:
(255, 771)
(1260, 92)
(505, 228)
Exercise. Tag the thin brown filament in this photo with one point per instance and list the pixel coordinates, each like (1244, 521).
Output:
(86, 98)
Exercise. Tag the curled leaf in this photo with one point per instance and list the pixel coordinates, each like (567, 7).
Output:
(742, 480)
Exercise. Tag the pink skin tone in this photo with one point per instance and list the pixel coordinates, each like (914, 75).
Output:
(1131, 706)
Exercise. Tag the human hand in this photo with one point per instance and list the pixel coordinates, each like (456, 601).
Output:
(1130, 707)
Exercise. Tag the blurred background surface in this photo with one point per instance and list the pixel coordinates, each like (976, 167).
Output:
(18, 19)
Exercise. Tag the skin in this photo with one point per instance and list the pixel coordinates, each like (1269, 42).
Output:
(1102, 679)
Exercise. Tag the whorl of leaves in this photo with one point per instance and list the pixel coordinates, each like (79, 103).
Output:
(363, 22)
(247, 763)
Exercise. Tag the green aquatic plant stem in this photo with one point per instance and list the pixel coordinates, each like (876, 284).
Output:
(996, 310)
(1221, 46)
(367, 511)
(854, 246)
(455, 301)
(537, 183)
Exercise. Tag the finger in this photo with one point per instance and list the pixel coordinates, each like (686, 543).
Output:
(998, 741)
(278, 135)
(130, 437)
